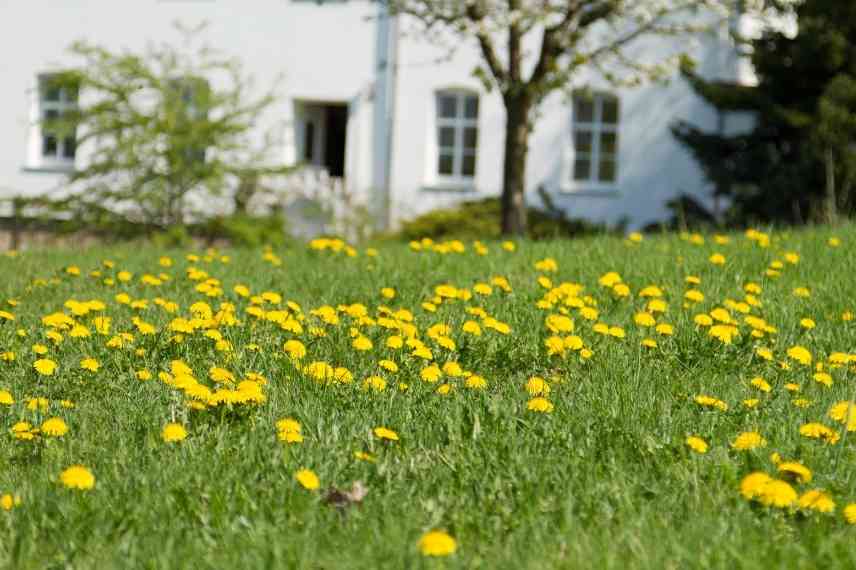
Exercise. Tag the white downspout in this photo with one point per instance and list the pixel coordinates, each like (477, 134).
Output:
(386, 64)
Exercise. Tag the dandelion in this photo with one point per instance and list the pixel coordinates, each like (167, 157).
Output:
(431, 373)
(540, 405)
(6, 398)
(77, 477)
(845, 413)
(711, 402)
(45, 366)
(307, 479)
(9, 501)
(800, 354)
(816, 500)
(437, 543)
(90, 364)
(537, 386)
(54, 427)
(850, 513)
(475, 382)
(697, 444)
(819, 431)
(751, 485)
(173, 432)
(777, 493)
(385, 434)
(363, 456)
(749, 440)
(717, 259)
(794, 470)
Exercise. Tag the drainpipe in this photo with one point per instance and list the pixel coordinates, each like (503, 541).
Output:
(386, 71)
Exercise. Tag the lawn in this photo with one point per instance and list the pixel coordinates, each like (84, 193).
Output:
(537, 405)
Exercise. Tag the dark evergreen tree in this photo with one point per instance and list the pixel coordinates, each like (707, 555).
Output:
(780, 170)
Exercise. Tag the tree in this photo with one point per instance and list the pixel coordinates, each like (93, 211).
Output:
(785, 168)
(598, 34)
(161, 127)
(835, 141)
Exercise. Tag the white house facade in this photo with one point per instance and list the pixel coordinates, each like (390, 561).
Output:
(401, 128)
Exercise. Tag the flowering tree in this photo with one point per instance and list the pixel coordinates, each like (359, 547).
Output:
(571, 35)
(160, 126)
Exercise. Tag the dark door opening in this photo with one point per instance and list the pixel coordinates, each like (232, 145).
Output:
(336, 123)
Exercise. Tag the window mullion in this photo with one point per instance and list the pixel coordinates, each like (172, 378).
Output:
(458, 155)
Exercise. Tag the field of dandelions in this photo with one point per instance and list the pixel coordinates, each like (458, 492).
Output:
(672, 401)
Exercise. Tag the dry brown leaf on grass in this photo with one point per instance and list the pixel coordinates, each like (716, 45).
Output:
(342, 499)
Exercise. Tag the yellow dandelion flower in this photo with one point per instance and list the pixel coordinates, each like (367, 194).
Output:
(77, 477)
(777, 493)
(816, 500)
(307, 479)
(173, 432)
(6, 398)
(749, 440)
(796, 471)
(383, 433)
(54, 427)
(475, 382)
(90, 364)
(9, 501)
(819, 431)
(437, 543)
(800, 354)
(540, 405)
(537, 386)
(45, 366)
(697, 444)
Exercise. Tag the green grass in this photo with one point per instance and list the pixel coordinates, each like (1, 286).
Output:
(604, 481)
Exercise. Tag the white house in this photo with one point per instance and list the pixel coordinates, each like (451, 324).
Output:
(374, 107)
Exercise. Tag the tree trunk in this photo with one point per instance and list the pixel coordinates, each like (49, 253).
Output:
(514, 165)
(831, 200)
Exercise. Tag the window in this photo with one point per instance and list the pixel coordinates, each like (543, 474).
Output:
(595, 139)
(57, 106)
(190, 100)
(457, 134)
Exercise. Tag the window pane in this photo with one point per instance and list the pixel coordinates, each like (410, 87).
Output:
(447, 106)
(583, 110)
(471, 107)
(610, 111)
(309, 142)
(445, 165)
(49, 143)
(470, 138)
(69, 147)
(608, 142)
(51, 114)
(468, 166)
(51, 91)
(446, 138)
(606, 172)
(582, 169)
(582, 141)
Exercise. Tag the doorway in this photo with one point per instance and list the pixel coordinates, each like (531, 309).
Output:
(322, 135)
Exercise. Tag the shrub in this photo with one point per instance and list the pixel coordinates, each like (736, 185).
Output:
(481, 220)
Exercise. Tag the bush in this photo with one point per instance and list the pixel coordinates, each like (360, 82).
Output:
(243, 230)
(481, 220)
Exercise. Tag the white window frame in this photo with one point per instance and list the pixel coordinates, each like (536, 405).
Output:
(458, 123)
(595, 128)
(40, 108)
